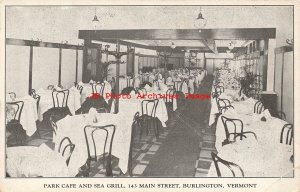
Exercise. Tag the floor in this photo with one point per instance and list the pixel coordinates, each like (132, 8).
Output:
(183, 149)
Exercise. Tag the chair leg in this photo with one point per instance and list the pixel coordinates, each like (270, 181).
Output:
(147, 127)
(109, 166)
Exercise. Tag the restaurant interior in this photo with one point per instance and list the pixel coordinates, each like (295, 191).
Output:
(149, 91)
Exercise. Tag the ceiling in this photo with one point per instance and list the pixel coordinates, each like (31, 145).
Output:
(206, 40)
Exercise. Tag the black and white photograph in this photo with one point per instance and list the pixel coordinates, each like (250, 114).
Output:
(148, 91)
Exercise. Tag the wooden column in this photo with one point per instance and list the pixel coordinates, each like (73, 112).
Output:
(118, 59)
(30, 69)
(165, 62)
(85, 76)
(59, 69)
(76, 76)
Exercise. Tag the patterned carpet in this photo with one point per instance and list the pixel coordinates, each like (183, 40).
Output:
(204, 161)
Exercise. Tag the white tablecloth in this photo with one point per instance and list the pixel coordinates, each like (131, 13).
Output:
(46, 101)
(29, 161)
(131, 106)
(29, 114)
(73, 127)
(242, 107)
(255, 159)
(87, 91)
(266, 131)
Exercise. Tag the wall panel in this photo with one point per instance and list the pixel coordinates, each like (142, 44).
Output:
(45, 67)
(17, 69)
(278, 78)
(68, 68)
(287, 89)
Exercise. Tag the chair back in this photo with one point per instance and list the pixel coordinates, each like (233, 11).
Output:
(60, 98)
(234, 127)
(78, 87)
(36, 97)
(234, 168)
(223, 105)
(258, 107)
(231, 126)
(149, 107)
(98, 88)
(63, 146)
(169, 96)
(95, 142)
(289, 137)
(15, 110)
(178, 85)
(130, 82)
(156, 83)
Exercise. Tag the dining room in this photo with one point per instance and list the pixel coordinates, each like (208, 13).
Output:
(149, 91)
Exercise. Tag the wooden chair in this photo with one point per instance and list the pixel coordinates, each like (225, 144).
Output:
(64, 144)
(98, 88)
(148, 117)
(109, 132)
(78, 87)
(228, 164)
(60, 104)
(135, 125)
(289, 134)
(169, 99)
(223, 105)
(258, 107)
(237, 123)
(14, 125)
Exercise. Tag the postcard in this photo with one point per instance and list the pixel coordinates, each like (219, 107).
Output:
(149, 96)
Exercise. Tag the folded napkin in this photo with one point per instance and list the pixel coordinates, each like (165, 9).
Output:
(92, 115)
(265, 115)
(80, 83)
(132, 94)
(147, 87)
(92, 111)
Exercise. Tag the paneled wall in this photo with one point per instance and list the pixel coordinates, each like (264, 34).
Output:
(283, 82)
(68, 68)
(17, 69)
(45, 68)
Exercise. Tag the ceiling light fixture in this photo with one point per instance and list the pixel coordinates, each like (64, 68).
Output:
(200, 21)
(95, 20)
